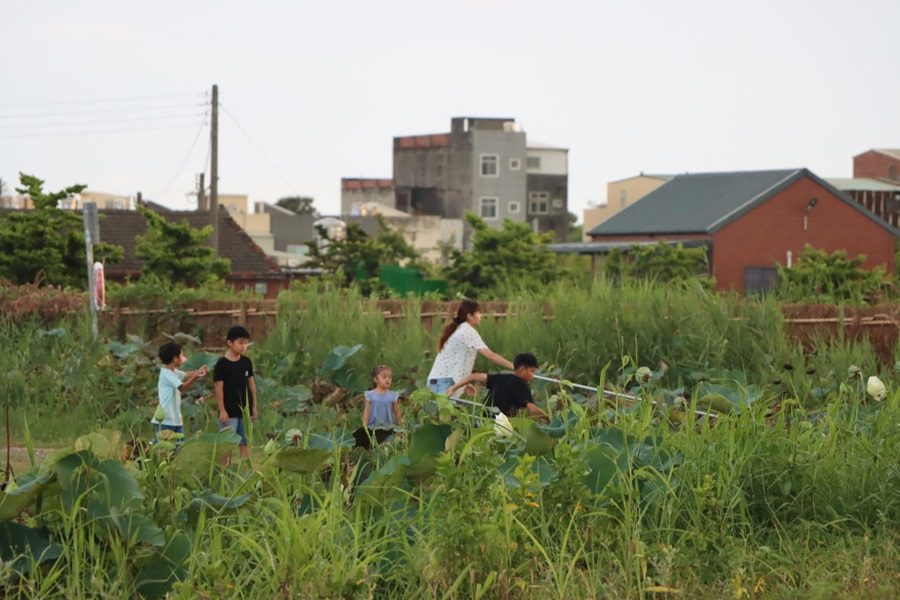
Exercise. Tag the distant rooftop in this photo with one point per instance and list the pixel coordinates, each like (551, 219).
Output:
(862, 184)
(892, 152)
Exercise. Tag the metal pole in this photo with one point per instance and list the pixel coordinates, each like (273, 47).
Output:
(610, 394)
(89, 254)
(214, 169)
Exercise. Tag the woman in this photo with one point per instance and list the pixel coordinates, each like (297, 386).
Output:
(457, 348)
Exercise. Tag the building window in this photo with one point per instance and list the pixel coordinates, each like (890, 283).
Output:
(557, 203)
(262, 288)
(515, 164)
(538, 203)
(533, 162)
(513, 207)
(623, 198)
(489, 164)
(488, 208)
(759, 280)
(892, 171)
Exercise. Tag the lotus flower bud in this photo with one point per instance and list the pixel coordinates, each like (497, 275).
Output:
(875, 388)
(160, 413)
(502, 426)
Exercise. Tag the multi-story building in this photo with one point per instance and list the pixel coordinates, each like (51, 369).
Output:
(481, 166)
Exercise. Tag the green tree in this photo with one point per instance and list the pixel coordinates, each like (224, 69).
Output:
(178, 253)
(513, 257)
(661, 263)
(357, 256)
(301, 205)
(821, 277)
(47, 243)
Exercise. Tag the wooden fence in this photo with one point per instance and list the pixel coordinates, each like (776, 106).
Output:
(210, 320)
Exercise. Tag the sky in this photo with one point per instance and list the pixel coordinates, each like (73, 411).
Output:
(115, 95)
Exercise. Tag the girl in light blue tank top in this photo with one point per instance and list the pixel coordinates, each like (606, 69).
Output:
(382, 408)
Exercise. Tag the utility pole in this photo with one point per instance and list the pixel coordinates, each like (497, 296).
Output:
(214, 169)
(201, 192)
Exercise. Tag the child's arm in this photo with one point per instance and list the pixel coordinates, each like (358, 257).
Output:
(480, 377)
(191, 379)
(537, 412)
(219, 388)
(254, 408)
(366, 410)
(398, 418)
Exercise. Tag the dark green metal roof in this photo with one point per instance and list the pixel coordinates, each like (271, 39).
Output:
(698, 203)
(706, 202)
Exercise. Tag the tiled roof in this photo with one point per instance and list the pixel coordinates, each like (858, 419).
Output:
(706, 202)
(122, 227)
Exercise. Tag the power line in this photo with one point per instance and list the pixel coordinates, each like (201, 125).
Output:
(95, 132)
(100, 112)
(102, 100)
(258, 149)
(183, 163)
(99, 122)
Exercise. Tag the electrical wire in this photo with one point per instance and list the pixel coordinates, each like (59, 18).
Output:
(101, 111)
(95, 132)
(258, 149)
(182, 165)
(103, 100)
(100, 122)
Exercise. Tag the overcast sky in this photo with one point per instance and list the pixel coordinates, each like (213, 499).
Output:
(112, 94)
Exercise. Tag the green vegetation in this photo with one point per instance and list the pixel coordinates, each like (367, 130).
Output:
(788, 491)
(830, 278)
(661, 263)
(502, 261)
(46, 244)
(178, 253)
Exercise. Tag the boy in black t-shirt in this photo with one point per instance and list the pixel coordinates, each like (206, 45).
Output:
(234, 386)
(509, 391)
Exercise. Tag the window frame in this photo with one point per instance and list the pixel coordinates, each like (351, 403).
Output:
(481, 165)
(516, 210)
(518, 164)
(496, 204)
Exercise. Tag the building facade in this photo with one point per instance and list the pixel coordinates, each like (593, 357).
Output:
(481, 166)
(752, 222)
(878, 163)
(358, 192)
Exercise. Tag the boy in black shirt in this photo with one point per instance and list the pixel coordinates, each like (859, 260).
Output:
(509, 391)
(234, 386)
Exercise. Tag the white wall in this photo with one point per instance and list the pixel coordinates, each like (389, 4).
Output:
(554, 161)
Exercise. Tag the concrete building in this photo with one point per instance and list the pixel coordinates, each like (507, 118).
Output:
(480, 166)
(878, 163)
(547, 169)
(753, 221)
(620, 194)
(357, 192)
(103, 201)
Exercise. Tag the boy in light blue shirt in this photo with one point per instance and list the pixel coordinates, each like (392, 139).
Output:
(172, 382)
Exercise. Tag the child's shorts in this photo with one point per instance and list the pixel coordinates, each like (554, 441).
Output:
(237, 426)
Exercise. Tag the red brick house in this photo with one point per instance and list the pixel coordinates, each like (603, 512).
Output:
(752, 221)
(251, 268)
(878, 163)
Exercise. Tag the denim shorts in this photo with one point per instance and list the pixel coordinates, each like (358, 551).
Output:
(237, 426)
(440, 385)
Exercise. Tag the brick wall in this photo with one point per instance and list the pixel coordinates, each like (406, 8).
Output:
(876, 165)
(763, 236)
